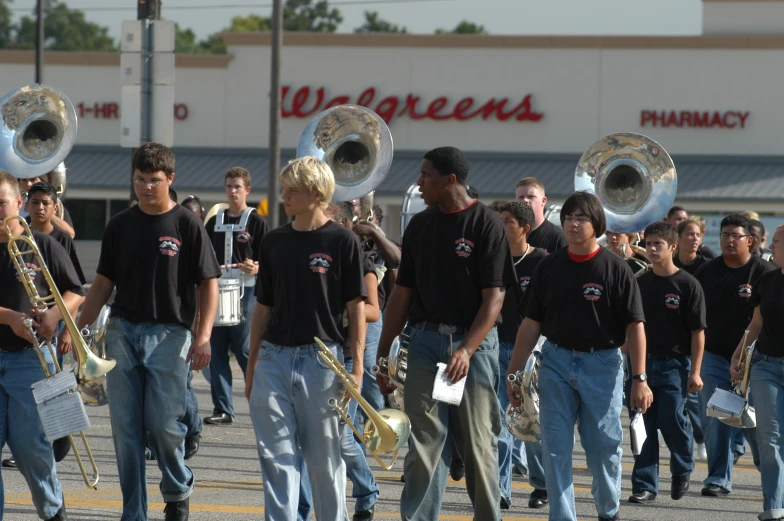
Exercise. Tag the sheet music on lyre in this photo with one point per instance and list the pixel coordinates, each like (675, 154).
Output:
(61, 414)
(725, 403)
(446, 391)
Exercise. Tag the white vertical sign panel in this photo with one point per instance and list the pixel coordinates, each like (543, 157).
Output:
(162, 115)
(131, 116)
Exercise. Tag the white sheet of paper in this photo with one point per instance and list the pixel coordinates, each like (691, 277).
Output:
(56, 385)
(444, 390)
(638, 433)
(725, 403)
(63, 416)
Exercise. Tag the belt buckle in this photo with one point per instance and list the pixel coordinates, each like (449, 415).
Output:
(447, 329)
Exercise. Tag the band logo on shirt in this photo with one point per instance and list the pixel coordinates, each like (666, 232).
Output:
(672, 300)
(464, 247)
(319, 262)
(243, 237)
(744, 290)
(524, 281)
(169, 246)
(592, 291)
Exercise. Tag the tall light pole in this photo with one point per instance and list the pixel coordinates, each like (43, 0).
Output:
(274, 123)
(40, 40)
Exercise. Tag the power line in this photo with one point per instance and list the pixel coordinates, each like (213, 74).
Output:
(240, 6)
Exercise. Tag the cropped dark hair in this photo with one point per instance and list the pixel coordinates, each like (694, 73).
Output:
(675, 209)
(42, 187)
(194, 199)
(153, 157)
(522, 212)
(172, 194)
(758, 224)
(738, 220)
(497, 205)
(590, 205)
(664, 230)
(449, 160)
(472, 192)
(379, 213)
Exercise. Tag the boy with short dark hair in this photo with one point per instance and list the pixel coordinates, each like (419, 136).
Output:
(674, 307)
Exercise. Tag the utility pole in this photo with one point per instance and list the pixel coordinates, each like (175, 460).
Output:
(40, 40)
(273, 188)
(146, 10)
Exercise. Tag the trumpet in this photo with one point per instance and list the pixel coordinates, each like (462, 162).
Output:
(89, 368)
(385, 431)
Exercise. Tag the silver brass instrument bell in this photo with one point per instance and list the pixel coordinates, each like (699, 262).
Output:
(38, 130)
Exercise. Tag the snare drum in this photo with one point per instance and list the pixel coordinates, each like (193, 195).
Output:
(229, 303)
(412, 205)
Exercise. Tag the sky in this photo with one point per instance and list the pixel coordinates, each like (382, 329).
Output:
(533, 17)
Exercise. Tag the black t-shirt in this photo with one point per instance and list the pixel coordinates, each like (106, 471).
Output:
(449, 258)
(692, 268)
(245, 244)
(156, 263)
(548, 237)
(728, 300)
(13, 295)
(584, 305)
(768, 294)
(307, 278)
(515, 298)
(65, 240)
(706, 252)
(674, 306)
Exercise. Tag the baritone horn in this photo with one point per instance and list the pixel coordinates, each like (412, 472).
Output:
(38, 130)
(748, 418)
(385, 431)
(90, 369)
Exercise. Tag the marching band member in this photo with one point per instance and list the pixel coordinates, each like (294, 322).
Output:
(587, 304)
(687, 256)
(544, 235)
(518, 219)
(310, 272)
(21, 367)
(455, 268)
(767, 378)
(674, 307)
(728, 282)
(245, 251)
(158, 256)
(65, 224)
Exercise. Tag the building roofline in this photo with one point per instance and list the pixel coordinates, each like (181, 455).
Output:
(109, 59)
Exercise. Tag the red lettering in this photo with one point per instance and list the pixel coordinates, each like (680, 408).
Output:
(716, 120)
(701, 119)
(435, 106)
(301, 98)
(81, 109)
(180, 111)
(672, 120)
(387, 108)
(496, 107)
(645, 117)
(461, 107)
(743, 116)
(685, 118)
(366, 97)
(113, 110)
(527, 114)
(725, 120)
(411, 102)
(98, 110)
(334, 102)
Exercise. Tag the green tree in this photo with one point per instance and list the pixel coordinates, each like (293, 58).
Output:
(464, 27)
(6, 25)
(303, 15)
(66, 30)
(373, 24)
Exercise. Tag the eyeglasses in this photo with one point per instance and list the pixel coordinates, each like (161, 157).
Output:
(138, 181)
(732, 236)
(579, 219)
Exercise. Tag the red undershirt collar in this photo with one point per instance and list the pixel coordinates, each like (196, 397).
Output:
(461, 209)
(583, 258)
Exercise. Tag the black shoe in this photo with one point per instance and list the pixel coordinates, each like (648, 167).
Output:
(364, 515)
(714, 490)
(59, 516)
(616, 517)
(176, 510)
(9, 463)
(642, 497)
(457, 469)
(192, 446)
(538, 498)
(736, 458)
(219, 418)
(148, 455)
(680, 485)
(61, 447)
(506, 503)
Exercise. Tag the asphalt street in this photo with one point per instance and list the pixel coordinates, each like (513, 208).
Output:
(229, 482)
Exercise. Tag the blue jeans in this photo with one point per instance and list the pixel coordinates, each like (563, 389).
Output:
(148, 395)
(587, 387)
(292, 419)
(226, 339)
(364, 489)
(192, 420)
(474, 425)
(719, 437)
(667, 379)
(370, 390)
(767, 386)
(21, 428)
(509, 447)
(693, 406)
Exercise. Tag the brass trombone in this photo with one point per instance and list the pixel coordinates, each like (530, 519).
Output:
(385, 431)
(90, 369)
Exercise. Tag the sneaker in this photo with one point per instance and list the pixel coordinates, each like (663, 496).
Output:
(700, 454)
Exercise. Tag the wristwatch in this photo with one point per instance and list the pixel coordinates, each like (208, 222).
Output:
(641, 377)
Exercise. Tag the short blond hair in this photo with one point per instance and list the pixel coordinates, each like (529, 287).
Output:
(530, 181)
(310, 174)
(10, 182)
(750, 214)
